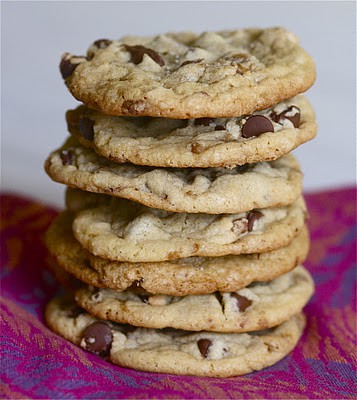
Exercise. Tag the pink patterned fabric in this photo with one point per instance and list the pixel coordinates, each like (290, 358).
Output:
(36, 363)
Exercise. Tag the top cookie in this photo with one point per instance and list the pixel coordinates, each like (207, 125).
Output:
(189, 75)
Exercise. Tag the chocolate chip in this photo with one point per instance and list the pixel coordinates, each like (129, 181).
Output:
(203, 121)
(139, 291)
(85, 127)
(294, 119)
(72, 121)
(102, 43)
(144, 298)
(219, 297)
(274, 116)
(136, 286)
(66, 157)
(191, 62)
(256, 125)
(97, 338)
(252, 217)
(219, 128)
(99, 44)
(203, 346)
(67, 67)
(242, 302)
(137, 53)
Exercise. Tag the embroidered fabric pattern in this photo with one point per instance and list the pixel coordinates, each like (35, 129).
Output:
(37, 363)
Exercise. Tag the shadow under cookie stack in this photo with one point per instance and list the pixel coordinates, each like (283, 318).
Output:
(184, 220)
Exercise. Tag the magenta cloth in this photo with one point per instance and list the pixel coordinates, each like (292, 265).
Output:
(36, 363)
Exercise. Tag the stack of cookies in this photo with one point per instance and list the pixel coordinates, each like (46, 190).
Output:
(184, 221)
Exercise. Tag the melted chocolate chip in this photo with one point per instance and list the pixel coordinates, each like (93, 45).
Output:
(144, 298)
(136, 287)
(137, 54)
(219, 128)
(85, 127)
(256, 125)
(242, 302)
(274, 116)
(252, 217)
(102, 43)
(203, 121)
(220, 299)
(66, 157)
(67, 67)
(72, 120)
(294, 119)
(203, 346)
(98, 338)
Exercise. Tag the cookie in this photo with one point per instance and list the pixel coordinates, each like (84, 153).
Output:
(206, 142)
(127, 231)
(174, 351)
(194, 275)
(255, 307)
(189, 75)
(208, 190)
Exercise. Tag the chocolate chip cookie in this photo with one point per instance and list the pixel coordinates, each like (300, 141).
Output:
(189, 75)
(174, 351)
(127, 231)
(202, 142)
(191, 190)
(258, 306)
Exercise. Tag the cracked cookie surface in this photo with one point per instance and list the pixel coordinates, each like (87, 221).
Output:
(189, 75)
(256, 307)
(205, 190)
(202, 142)
(174, 351)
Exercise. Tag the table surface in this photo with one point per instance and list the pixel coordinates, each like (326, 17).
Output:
(37, 363)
